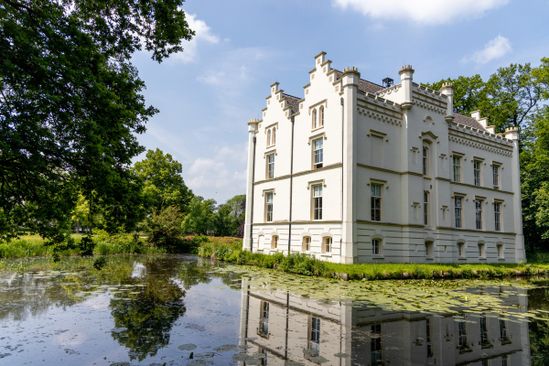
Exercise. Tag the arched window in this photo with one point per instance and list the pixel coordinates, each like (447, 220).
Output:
(269, 137)
(321, 116)
(314, 119)
(274, 136)
(426, 159)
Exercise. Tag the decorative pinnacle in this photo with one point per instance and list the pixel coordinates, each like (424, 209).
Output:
(254, 121)
(406, 68)
(511, 129)
(446, 84)
(350, 69)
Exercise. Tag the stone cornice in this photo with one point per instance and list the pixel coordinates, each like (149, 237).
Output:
(479, 143)
(381, 109)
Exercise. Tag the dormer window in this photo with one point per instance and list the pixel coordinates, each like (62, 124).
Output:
(271, 136)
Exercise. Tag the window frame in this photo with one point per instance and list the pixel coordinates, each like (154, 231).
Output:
(327, 243)
(317, 152)
(456, 177)
(377, 247)
(270, 165)
(497, 205)
(426, 158)
(376, 202)
(479, 222)
(274, 241)
(458, 211)
(316, 201)
(477, 172)
(496, 177)
(263, 329)
(481, 250)
(462, 252)
(268, 206)
(306, 243)
(426, 208)
(429, 249)
(321, 112)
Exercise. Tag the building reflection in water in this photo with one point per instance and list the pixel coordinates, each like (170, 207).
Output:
(283, 329)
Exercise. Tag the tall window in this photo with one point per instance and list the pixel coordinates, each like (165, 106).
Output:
(458, 201)
(314, 336)
(326, 244)
(318, 155)
(478, 214)
(495, 175)
(375, 201)
(476, 171)
(316, 204)
(306, 244)
(428, 338)
(271, 136)
(376, 355)
(484, 333)
(429, 249)
(425, 161)
(263, 329)
(270, 158)
(376, 246)
(321, 116)
(462, 337)
(501, 253)
(461, 249)
(426, 207)
(274, 242)
(313, 121)
(497, 216)
(481, 250)
(503, 334)
(269, 206)
(456, 160)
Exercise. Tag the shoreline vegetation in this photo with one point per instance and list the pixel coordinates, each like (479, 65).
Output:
(229, 250)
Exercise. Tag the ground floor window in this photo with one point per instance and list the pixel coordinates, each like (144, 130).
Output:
(461, 250)
(376, 247)
(306, 244)
(481, 250)
(274, 241)
(326, 244)
(314, 336)
(429, 249)
(501, 254)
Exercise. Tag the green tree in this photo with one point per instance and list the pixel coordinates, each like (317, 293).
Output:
(200, 217)
(163, 185)
(535, 183)
(71, 103)
(164, 226)
(468, 92)
(229, 217)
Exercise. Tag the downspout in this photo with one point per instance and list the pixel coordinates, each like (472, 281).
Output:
(342, 172)
(291, 186)
(252, 201)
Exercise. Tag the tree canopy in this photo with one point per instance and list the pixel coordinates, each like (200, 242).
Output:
(71, 104)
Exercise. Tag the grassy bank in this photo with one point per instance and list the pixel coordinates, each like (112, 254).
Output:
(105, 244)
(305, 265)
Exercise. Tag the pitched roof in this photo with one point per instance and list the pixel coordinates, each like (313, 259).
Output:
(468, 121)
(293, 102)
(363, 85)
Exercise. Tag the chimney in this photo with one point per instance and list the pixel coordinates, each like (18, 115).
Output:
(406, 77)
(447, 89)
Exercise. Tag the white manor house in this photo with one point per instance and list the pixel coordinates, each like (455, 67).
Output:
(358, 172)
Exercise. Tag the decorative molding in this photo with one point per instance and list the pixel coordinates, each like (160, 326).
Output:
(481, 145)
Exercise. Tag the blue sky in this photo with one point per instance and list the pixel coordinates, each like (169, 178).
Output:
(207, 93)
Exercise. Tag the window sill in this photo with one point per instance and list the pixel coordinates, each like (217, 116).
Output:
(429, 258)
(377, 256)
(482, 259)
(462, 259)
(317, 128)
(501, 259)
(326, 255)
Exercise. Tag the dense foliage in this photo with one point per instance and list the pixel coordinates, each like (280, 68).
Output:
(71, 103)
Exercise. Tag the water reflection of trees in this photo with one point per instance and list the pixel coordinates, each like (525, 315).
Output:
(144, 316)
(538, 299)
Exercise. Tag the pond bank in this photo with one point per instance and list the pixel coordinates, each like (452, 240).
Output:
(305, 265)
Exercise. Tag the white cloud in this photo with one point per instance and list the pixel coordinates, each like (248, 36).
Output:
(494, 49)
(203, 34)
(221, 175)
(430, 12)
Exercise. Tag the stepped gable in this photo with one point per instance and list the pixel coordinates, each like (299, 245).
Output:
(468, 121)
(364, 86)
(293, 102)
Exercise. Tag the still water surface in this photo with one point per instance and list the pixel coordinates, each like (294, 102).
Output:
(178, 310)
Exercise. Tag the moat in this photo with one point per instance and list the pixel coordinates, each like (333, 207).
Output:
(180, 310)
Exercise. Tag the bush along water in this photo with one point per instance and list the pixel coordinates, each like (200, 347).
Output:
(307, 265)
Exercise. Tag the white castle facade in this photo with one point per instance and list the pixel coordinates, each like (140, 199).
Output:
(357, 172)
